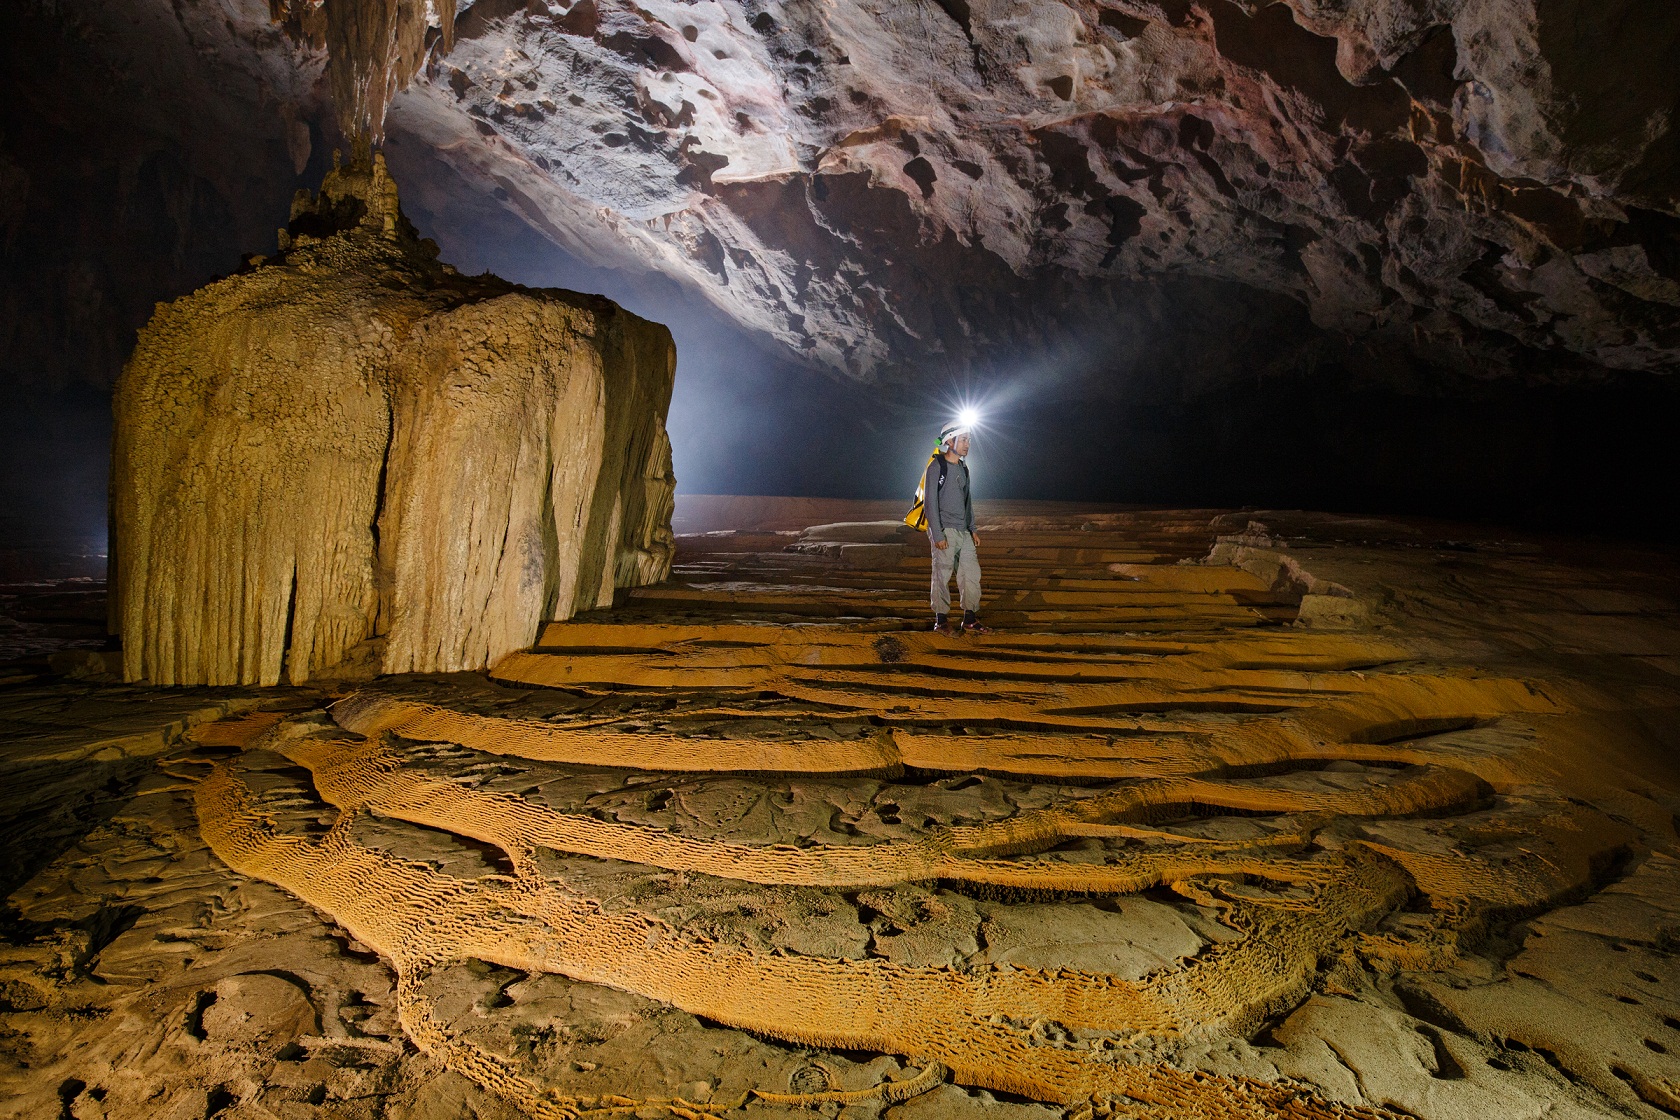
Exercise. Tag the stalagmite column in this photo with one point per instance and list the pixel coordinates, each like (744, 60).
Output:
(496, 450)
(630, 543)
(352, 441)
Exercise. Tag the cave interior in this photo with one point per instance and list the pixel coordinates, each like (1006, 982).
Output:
(460, 653)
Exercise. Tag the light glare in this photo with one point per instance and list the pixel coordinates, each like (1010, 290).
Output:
(968, 417)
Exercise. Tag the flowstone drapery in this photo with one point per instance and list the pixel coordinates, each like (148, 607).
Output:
(351, 441)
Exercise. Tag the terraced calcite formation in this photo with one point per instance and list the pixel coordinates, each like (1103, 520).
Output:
(1175, 842)
(350, 442)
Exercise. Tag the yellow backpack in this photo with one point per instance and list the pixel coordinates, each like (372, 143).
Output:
(917, 517)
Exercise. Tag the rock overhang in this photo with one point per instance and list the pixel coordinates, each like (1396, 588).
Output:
(880, 186)
(892, 190)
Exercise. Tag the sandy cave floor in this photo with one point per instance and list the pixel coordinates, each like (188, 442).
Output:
(1234, 815)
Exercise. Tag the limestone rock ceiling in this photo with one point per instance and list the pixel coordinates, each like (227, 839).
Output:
(887, 184)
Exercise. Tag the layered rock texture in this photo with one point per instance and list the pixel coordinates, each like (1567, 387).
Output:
(1480, 183)
(1487, 185)
(351, 441)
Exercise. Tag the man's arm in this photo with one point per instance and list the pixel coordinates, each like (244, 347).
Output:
(968, 495)
(930, 504)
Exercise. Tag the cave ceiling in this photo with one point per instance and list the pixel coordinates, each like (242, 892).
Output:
(884, 186)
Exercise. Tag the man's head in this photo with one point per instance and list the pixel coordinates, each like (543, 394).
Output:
(954, 437)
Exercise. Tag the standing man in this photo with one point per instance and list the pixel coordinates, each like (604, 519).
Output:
(950, 525)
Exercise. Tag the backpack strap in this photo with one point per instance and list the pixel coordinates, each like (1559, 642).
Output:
(917, 517)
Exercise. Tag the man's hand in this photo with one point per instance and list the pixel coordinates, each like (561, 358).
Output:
(976, 537)
(940, 545)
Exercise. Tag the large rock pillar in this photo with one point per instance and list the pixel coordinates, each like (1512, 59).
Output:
(352, 441)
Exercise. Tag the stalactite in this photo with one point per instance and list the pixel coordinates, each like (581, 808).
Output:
(374, 48)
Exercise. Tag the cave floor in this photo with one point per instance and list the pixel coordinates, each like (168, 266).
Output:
(1234, 815)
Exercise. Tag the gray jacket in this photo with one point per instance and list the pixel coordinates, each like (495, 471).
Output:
(950, 507)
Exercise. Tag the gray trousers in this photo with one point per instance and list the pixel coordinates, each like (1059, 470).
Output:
(958, 553)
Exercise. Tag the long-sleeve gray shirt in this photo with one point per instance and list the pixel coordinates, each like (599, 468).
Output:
(951, 507)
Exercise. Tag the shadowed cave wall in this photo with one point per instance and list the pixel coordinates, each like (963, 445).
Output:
(137, 162)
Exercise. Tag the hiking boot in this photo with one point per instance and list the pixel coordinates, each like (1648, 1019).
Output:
(942, 624)
(972, 625)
